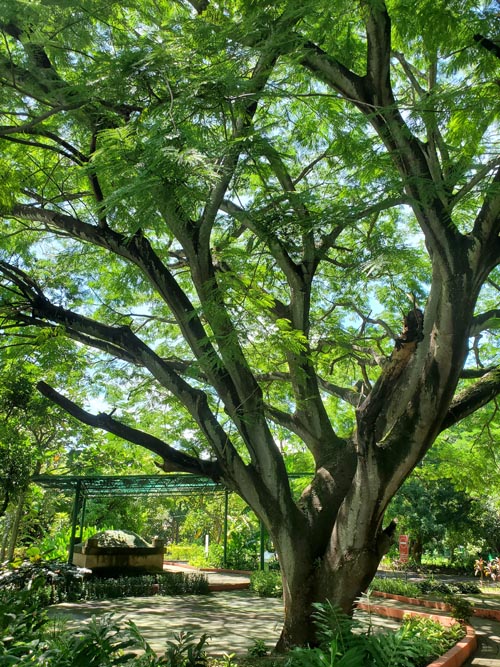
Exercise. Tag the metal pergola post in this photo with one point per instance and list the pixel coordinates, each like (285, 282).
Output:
(262, 537)
(82, 519)
(226, 509)
(74, 519)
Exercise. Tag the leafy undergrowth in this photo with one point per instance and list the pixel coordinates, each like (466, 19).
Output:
(28, 637)
(59, 582)
(430, 586)
(347, 643)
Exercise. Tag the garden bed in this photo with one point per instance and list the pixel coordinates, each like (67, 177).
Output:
(480, 612)
(455, 657)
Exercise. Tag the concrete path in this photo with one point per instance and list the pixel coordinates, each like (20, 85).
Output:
(488, 635)
(231, 619)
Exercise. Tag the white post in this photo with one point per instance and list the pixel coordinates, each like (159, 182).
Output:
(206, 546)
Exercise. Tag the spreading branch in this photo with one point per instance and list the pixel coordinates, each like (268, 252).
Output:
(174, 459)
(472, 398)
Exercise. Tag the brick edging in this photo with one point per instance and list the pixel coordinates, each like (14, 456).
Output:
(456, 656)
(480, 612)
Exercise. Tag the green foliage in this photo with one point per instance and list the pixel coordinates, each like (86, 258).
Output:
(185, 552)
(54, 547)
(28, 637)
(22, 620)
(437, 587)
(395, 586)
(433, 511)
(102, 642)
(266, 584)
(258, 649)
(186, 651)
(54, 582)
(168, 583)
(427, 586)
(415, 644)
(461, 608)
(49, 582)
(222, 215)
(430, 637)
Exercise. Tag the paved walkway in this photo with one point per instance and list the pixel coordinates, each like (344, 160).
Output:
(233, 620)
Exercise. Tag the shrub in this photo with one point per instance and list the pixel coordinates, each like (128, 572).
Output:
(415, 644)
(58, 582)
(266, 584)
(437, 586)
(185, 552)
(461, 608)
(27, 638)
(395, 586)
(258, 649)
(468, 587)
(55, 582)
(432, 638)
(168, 583)
(22, 620)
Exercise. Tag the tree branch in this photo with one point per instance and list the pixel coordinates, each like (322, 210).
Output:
(472, 398)
(175, 460)
(480, 322)
(487, 44)
(123, 342)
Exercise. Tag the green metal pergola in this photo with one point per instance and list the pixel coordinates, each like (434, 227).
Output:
(181, 484)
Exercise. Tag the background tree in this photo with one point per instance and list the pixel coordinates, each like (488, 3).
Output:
(436, 516)
(233, 205)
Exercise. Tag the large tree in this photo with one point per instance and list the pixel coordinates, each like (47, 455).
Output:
(233, 204)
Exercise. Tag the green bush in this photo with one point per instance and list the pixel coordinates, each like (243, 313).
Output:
(432, 638)
(468, 587)
(395, 586)
(28, 638)
(55, 582)
(184, 552)
(103, 642)
(461, 608)
(266, 584)
(214, 558)
(168, 583)
(344, 644)
(435, 586)
(58, 582)
(22, 620)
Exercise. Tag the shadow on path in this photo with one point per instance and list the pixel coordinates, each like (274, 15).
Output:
(231, 619)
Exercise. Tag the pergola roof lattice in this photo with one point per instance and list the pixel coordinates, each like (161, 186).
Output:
(129, 485)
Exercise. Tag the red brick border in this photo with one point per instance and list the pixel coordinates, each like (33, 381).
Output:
(480, 612)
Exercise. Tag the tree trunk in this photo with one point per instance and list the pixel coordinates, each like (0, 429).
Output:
(318, 582)
(5, 537)
(416, 549)
(15, 525)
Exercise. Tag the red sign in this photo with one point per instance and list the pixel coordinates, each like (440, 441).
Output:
(404, 547)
